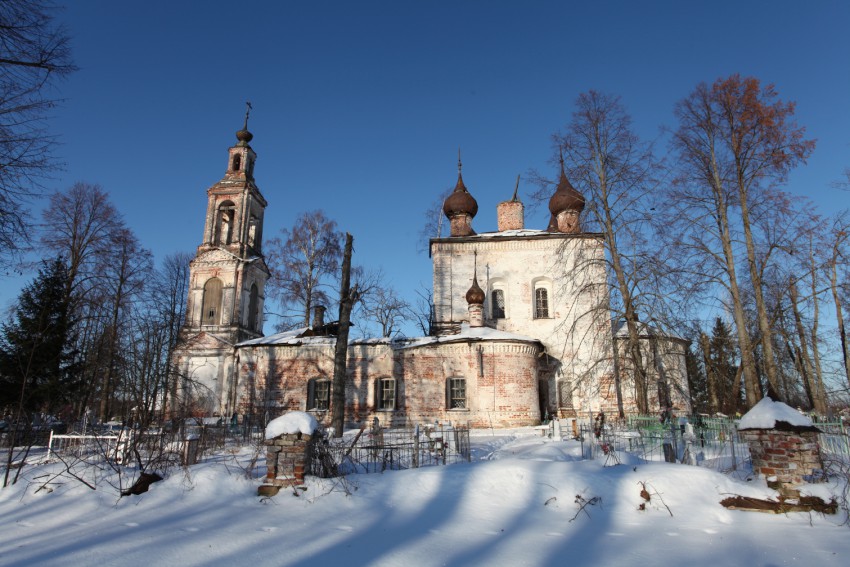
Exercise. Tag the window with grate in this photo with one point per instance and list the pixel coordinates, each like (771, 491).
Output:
(457, 393)
(386, 394)
(541, 303)
(497, 304)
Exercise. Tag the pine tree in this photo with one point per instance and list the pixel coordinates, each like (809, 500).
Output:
(36, 363)
(697, 383)
(724, 368)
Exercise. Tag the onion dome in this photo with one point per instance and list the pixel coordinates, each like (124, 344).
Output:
(243, 135)
(475, 295)
(460, 202)
(566, 197)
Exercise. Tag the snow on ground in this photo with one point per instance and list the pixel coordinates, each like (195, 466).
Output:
(515, 505)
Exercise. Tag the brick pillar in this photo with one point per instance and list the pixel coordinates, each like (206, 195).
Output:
(287, 461)
(783, 456)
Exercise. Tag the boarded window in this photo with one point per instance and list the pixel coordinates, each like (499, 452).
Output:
(211, 310)
(456, 393)
(541, 303)
(253, 307)
(386, 390)
(497, 304)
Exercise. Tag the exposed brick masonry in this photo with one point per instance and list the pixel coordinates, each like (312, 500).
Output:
(786, 455)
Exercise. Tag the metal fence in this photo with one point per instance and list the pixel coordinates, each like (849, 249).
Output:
(377, 450)
(697, 440)
(707, 442)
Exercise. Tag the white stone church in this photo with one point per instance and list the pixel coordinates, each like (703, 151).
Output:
(521, 327)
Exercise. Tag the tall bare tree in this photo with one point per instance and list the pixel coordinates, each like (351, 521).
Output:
(302, 261)
(735, 142)
(34, 54)
(616, 172)
(348, 297)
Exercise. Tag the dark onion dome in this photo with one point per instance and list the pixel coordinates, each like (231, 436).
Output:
(475, 295)
(244, 135)
(460, 201)
(566, 197)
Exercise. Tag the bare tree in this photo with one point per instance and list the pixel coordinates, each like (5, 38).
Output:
(616, 173)
(735, 142)
(82, 226)
(301, 262)
(435, 221)
(348, 297)
(838, 255)
(384, 306)
(34, 54)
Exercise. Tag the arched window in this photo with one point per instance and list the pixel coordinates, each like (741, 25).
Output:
(237, 162)
(497, 304)
(541, 303)
(211, 310)
(253, 307)
(224, 223)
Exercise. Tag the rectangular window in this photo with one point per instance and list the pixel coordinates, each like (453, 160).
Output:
(386, 394)
(541, 303)
(319, 395)
(457, 393)
(497, 304)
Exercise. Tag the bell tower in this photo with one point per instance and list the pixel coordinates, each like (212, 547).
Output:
(227, 279)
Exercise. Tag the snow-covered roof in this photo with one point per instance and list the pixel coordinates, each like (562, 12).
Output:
(292, 337)
(512, 233)
(291, 422)
(766, 414)
(467, 333)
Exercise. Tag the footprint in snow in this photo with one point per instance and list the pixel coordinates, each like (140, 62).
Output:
(345, 528)
(672, 534)
(131, 525)
(191, 529)
(554, 534)
(710, 531)
(267, 529)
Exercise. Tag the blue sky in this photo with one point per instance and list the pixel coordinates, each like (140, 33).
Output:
(360, 107)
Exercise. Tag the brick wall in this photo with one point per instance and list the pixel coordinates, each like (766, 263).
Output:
(510, 215)
(501, 380)
(288, 459)
(786, 455)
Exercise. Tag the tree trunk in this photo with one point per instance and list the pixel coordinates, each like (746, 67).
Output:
(816, 394)
(839, 315)
(347, 298)
(769, 357)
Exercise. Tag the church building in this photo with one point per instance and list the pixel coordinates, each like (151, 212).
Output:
(521, 327)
